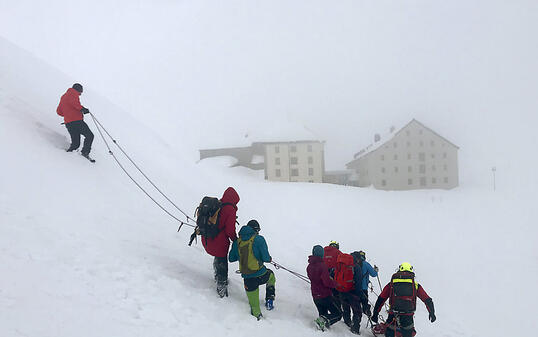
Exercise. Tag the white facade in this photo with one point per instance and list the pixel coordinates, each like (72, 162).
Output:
(414, 157)
(294, 161)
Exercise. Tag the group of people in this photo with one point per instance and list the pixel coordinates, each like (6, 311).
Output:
(339, 286)
(339, 281)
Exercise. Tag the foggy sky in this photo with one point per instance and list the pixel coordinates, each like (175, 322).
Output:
(345, 69)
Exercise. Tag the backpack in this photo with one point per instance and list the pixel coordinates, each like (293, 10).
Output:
(403, 295)
(207, 217)
(344, 273)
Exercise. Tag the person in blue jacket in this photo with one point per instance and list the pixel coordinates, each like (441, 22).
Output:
(250, 249)
(367, 271)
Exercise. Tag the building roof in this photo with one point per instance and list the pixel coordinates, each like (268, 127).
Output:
(388, 136)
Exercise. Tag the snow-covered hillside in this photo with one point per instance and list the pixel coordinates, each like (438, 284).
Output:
(84, 253)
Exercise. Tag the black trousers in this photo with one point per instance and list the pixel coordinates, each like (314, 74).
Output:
(220, 268)
(76, 129)
(328, 309)
(254, 283)
(351, 303)
(364, 302)
(403, 323)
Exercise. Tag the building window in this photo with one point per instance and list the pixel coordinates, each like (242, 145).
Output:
(433, 155)
(309, 148)
(382, 157)
(294, 160)
(294, 172)
(409, 168)
(395, 145)
(422, 156)
(277, 149)
(277, 161)
(432, 143)
(434, 180)
(422, 168)
(408, 133)
(409, 156)
(421, 143)
(310, 171)
(422, 181)
(311, 181)
(409, 181)
(396, 169)
(310, 160)
(293, 148)
(383, 182)
(444, 155)
(420, 131)
(434, 168)
(445, 167)
(277, 173)
(382, 170)
(395, 157)
(408, 144)
(445, 180)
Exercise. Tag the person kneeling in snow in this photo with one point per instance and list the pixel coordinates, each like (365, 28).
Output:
(321, 285)
(250, 249)
(72, 112)
(402, 292)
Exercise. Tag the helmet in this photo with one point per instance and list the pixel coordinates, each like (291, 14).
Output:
(334, 244)
(406, 266)
(362, 255)
(254, 225)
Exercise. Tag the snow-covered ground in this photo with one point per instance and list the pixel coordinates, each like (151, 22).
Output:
(84, 253)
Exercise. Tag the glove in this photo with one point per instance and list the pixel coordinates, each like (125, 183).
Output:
(375, 317)
(84, 110)
(375, 268)
(432, 317)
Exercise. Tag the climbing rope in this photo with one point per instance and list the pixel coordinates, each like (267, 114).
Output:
(99, 126)
(296, 274)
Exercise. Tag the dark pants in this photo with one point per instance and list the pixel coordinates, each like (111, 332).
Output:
(402, 323)
(328, 309)
(351, 303)
(364, 303)
(220, 267)
(251, 284)
(76, 129)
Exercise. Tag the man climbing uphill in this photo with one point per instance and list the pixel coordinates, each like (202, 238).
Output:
(72, 112)
(348, 280)
(219, 245)
(321, 285)
(367, 271)
(251, 251)
(402, 292)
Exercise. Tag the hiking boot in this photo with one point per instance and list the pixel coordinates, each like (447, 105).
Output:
(327, 323)
(269, 304)
(259, 317)
(347, 321)
(320, 323)
(222, 290)
(355, 329)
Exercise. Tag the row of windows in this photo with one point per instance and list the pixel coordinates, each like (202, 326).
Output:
(293, 148)
(408, 143)
(421, 169)
(294, 160)
(421, 156)
(294, 172)
(422, 181)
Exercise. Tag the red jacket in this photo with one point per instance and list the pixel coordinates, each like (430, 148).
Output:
(320, 281)
(219, 246)
(69, 107)
(330, 255)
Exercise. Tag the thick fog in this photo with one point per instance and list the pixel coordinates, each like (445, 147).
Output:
(239, 71)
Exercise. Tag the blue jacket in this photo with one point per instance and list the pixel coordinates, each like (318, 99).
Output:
(367, 271)
(259, 248)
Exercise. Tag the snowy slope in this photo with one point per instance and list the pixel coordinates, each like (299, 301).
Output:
(84, 253)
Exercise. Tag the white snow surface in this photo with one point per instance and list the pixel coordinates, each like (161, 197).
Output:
(84, 253)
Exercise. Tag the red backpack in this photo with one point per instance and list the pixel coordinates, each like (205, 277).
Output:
(330, 256)
(344, 273)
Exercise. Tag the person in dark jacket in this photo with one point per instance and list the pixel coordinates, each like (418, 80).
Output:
(402, 292)
(367, 271)
(321, 285)
(351, 300)
(219, 246)
(250, 249)
(72, 112)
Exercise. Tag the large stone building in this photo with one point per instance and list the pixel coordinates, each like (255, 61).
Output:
(281, 161)
(414, 157)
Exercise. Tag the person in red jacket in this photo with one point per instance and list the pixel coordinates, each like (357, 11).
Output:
(219, 246)
(321, 285)
(402, 293)
(72, 112)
